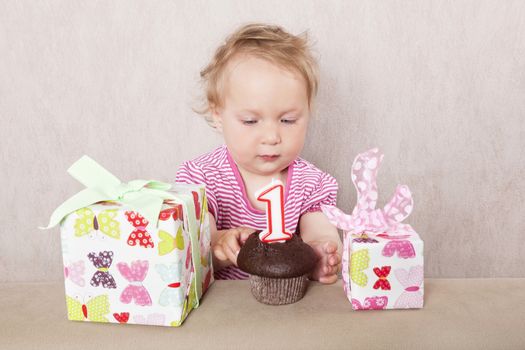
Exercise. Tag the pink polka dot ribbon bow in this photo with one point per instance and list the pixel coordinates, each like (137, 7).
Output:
(365, 217)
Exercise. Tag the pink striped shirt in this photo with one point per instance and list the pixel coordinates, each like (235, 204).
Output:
(306, 189)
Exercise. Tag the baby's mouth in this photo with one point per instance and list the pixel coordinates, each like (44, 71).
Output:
(269, 157)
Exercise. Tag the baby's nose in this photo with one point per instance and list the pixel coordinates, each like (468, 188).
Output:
(271, 136)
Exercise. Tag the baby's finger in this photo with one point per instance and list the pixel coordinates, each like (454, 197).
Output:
(233, 243)
(328, 279)
(328, 270)
(231, 248)
(219, 253)
(232, 256)
(330, 247)
(245, 233)
(334, 259)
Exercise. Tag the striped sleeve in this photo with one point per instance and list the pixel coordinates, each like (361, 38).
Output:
(325, 192)
(190, 173)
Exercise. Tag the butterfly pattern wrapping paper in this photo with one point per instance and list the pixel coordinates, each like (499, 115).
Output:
(382, 263)
(119, 268)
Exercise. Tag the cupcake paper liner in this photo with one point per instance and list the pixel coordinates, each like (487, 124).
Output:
(278, 291)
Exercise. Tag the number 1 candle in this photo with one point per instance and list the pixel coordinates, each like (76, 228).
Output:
(273, 195)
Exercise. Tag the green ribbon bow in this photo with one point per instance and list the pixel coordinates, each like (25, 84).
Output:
(145, 196)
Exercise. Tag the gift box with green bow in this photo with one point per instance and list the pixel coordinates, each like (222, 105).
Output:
(136, 252)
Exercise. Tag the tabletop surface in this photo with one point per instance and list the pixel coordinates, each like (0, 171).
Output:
(458, 314)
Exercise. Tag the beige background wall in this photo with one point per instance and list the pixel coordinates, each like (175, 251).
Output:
(439, 86)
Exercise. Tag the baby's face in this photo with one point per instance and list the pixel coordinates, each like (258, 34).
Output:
(264, 115)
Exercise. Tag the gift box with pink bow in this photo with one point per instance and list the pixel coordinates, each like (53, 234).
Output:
(136, 252)
(382, 262)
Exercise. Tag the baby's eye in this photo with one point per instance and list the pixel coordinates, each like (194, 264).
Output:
(288, 121)
(249, 122)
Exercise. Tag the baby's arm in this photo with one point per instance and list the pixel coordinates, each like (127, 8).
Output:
(225, 244)
(321, 235)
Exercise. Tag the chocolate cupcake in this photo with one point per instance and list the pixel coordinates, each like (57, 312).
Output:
(278, 271)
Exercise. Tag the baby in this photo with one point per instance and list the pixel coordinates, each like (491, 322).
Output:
(260, 87)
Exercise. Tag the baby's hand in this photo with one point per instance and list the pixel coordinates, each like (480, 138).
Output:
(329, 261)
(227, 246)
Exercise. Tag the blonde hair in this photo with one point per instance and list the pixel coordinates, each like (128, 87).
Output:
(263, 41)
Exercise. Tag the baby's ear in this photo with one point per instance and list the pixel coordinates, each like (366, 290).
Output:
(216, 118)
